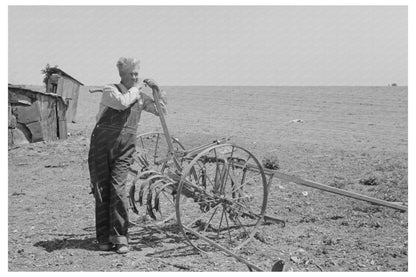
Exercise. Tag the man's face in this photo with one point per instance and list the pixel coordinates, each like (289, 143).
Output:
(130, 76)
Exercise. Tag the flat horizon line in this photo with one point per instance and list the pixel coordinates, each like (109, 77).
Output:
(244, 85)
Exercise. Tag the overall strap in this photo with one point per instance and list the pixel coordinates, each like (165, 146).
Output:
(118, 87)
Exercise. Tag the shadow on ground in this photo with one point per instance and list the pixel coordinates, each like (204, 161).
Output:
(150, 236)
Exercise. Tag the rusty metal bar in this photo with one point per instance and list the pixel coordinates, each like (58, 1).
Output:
(350, 194)
(213, 243)
(308, 183)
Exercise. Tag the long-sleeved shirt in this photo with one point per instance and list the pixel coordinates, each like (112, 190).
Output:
(117, 100)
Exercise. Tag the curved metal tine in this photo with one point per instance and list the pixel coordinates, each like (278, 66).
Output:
(147, 172)
(155, 184)
(164, 186)
(147, 181)
(151, 171)
(158, 189)
(162, 190)
(163, 177)
(173, 214)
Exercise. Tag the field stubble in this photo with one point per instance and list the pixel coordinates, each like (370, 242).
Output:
(341, 136)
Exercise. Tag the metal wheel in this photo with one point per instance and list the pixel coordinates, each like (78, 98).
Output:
(227, 192)
(152, 191)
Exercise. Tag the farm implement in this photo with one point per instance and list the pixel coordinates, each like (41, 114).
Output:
(217, 192)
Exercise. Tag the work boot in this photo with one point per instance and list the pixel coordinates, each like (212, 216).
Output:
(122, 249)
(106, 246)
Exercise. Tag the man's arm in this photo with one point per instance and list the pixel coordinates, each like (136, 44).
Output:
(149, 103)
(120, 101)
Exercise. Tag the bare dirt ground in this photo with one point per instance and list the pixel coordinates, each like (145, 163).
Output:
(345, 134)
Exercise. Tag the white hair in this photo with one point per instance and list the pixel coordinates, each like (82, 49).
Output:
(126, 63)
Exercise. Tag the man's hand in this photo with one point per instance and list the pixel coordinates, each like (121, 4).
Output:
(151, 83)
(140, 85)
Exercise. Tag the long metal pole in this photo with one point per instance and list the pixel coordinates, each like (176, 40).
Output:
(355, 195)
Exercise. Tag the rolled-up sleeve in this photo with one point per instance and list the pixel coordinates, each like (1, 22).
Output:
(113, 98)
(149, 103)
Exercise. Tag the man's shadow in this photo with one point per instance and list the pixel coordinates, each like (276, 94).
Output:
(68, 241)
(148, 236)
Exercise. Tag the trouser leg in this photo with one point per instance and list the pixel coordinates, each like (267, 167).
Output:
(102, 216)
(100, 179)
(119, 206)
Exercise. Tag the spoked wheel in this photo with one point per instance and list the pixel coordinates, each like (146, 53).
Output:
(229, 197)
(152, 191)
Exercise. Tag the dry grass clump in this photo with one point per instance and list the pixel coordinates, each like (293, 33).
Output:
(370, 181)
(271, 161)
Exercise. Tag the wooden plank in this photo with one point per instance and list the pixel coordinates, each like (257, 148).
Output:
(63, 132)
(28, 114)
(49, 117)
(36, 131)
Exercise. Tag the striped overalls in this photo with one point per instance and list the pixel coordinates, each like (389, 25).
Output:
(111, 149)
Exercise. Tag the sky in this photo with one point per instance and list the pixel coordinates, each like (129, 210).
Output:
(213, 45)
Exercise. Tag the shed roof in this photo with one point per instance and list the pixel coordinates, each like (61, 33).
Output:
(17, 88)
(60, 71)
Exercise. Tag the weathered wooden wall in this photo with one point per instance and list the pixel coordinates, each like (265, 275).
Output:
(69, 89)
(42, 117)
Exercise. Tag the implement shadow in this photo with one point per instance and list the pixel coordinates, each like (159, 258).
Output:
(154, 236)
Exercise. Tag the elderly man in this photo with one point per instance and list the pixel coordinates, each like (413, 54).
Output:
(111, 149)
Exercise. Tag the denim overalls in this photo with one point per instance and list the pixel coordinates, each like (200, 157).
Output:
(111, 153)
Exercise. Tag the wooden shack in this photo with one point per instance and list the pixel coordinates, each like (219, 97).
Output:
(64, 85)
(35, 115)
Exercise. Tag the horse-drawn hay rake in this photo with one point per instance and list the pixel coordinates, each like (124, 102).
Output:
(217, 192)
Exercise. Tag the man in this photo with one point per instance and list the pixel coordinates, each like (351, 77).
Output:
(111, 149)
